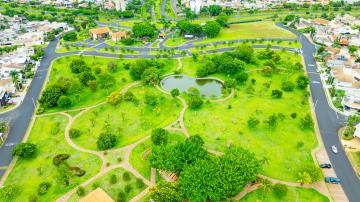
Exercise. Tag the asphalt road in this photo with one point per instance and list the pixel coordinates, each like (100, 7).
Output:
(329, 123)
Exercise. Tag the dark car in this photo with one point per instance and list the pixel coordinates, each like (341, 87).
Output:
(325, 165)
(332, 180)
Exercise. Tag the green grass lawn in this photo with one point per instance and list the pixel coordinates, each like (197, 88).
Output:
(72, 49)
(112, 43)
(131, 121)
(127, 52)
(86, 97)
(113, 189)
(297, 194)
(356, 157)
(48, 135)
(175, 41)
(138, 158)
(253, 30)
(224, 124)
(129, 23)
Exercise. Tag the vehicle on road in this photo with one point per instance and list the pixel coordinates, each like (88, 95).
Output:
(334, 149)
(332, 180)
(325, 165)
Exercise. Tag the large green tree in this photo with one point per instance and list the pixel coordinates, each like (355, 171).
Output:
(212, 29)
(166, 192)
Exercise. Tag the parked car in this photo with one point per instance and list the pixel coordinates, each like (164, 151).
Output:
(334, 149)
(325, 165)
(332, 180)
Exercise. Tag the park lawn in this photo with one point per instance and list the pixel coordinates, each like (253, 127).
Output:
(48, 134)
(86, 97)
(138, 157)
(129, 23)
(130, 121)
(73, 49)
(175, 41)
(114, 51)
(224, 124)
(297, 194)
(113, 189)
(252, 30)
(356, 158)
(113, 43)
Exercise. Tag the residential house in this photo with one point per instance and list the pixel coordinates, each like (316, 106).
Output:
(100, 33)
(117, 36)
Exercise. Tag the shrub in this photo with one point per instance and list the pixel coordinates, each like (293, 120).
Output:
(293, 115)
(8, 192)
(128, 188)
(139, 183)
(348, 133)
(64, 101)
(106, 141)
(195, 102)
(80, 191)
(267, 71)
(33, 198)
(122, 196)
(113, 179)
(60, 158)
(175, 92)
(74, 133)
(253, 122)
(280, 190)
(129, 96)
(112, 66)
(114, 98)
(288, 86)
(126, 176)
(159, 136)
(43, 188)
(307, 122)
(151, 99)
(76, 171)
(276, 94)
(24, 150)
(302, 82)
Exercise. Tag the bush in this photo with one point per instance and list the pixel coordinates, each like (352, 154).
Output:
(293, 115)
(307, 122)
(159, 136)
(195, 102)
(60, 158)
(122, 196)
(113, 179)
(76, 171)
(288, 86)
(129, 96)
(43, 188)
(139, 183)
(175, 92)
(8, 192)
(24, 150)
(348, 133)
(151, 99)
(74, 133)
(280, 190)
(112, 66)
(302, 82)
(128, 188)
(276, 94)
(106, 141)
(64, 101)
(253, 122)
(114, 98)
(70, 36)
(126, 176)
(80, 191)
(128, 41)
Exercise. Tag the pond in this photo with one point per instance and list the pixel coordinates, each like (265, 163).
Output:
(208, 87)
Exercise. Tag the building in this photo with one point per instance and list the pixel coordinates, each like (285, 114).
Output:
(117, 36)
(100, 33)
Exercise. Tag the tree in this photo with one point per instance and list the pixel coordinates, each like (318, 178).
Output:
(253, 122)
(272, 121)
(222, 19)
(50, 96)
(85, 77)
(112, 66)
(195, 102)
(114, 98)
(287, 86)
(74, 133)
(143, 29)
(129, 96)
(24, 150)
(241, 77)
(151, 75)
(302, 82)
(233, 171)
(352, 49)
(244, 52)
(165, 192)
(175, 92)
(64, 101)
(189, 14)
(280, 190)
(159, 136)
(43, 188)
(151, 99)
(106, 141)
(8, 193)
(70, 36)
(212, 29)
(307, 122)
(215, 10)
(78, 66)
(276, 94)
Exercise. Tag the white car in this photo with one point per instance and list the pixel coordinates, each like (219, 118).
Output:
(334, 149)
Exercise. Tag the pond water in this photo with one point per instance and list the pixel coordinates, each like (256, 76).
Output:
(208, 87)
